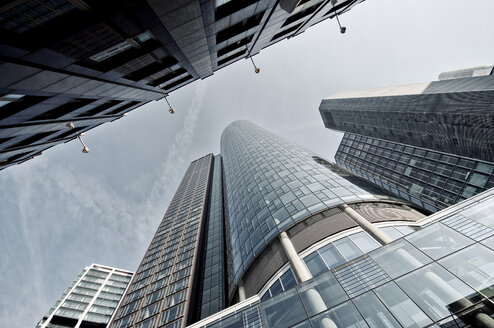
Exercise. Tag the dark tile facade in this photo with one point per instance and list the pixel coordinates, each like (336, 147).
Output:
(88, 62)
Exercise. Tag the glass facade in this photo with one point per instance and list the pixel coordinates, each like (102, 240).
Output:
(161, 292)
(331, 253)
(272, 183)
(451, 116)
(214, 269)
(428, 178)
(91, 299)
(439, 276)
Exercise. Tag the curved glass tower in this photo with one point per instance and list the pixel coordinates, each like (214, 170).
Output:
(273, 184)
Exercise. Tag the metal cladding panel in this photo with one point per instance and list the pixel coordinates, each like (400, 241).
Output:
(270, 261)
(314, 231)
(384, 212)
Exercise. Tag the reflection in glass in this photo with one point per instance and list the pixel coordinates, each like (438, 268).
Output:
(364, 241)
(321, 293)
(315, 264)
(481, 212)
(391, 232)
(399, 258)
(288, 279)
(474, 265)
(489, 242)
(344, 315)
(276, 288)
(374, 312)
(331, 256)
(438, 240)
(404, 310)
(234, 321)
(284, 310)
(433, 289)
(347, 248)
(305, 324)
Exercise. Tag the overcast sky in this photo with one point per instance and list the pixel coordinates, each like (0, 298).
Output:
(64, 210)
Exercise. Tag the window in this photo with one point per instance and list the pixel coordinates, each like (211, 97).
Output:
(62, 110)
(7, 99)
(436, 291)
(324, 288)
(120, 47)
(438, 240)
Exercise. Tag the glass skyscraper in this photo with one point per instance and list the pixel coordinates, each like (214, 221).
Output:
(91, 299)
(430, 179)
(250, 227)
(453, 115)
(431, 143)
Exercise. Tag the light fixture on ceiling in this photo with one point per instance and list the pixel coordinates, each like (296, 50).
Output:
(170, 109)
(256, 69)
(85, 149)
(342, 28)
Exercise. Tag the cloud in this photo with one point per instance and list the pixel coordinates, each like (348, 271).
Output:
(60, 220)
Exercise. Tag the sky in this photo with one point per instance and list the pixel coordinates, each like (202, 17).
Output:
(65, 210)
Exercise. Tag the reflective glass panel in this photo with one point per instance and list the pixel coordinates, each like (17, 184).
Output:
(489, 242)
(315, 264)
(321, 293)
(481, 212)
(284, 310)
(288, 280)
(305, 324)
(344, 315)
(374, 312)
(399, 258)
(438, 240)
(348, 248)
(404, 229)
(475, 266)
(331, 256)
(436, 291)
(276, 288)
(234, 321)
(404, 310)
(364, 242)
(391, 232)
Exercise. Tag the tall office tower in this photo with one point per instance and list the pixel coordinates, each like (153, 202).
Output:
(430, 179)
(453, 115)
(165, 289)
(67, 66)
(431, 144)
(91, 299)
(259, 219)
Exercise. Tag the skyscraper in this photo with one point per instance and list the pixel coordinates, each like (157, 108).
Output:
(453, 115)
(430, 179)
(430, 144)
(91, 299)
(261, 218)
(68, 66)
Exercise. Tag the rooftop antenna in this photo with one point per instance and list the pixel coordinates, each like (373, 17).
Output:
(342, 28)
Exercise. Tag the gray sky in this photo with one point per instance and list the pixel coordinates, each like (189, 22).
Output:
(64, 210)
